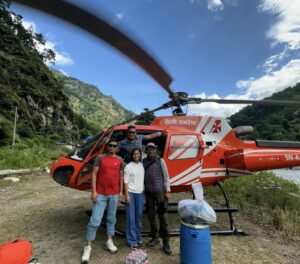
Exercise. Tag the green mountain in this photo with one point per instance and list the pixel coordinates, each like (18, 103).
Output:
(273, 122)
(87, 101)
(49, 103)
(26, 82)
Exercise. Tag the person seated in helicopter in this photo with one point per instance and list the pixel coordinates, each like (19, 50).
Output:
(132, 141)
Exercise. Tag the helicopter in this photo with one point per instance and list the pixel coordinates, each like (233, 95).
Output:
(195, 148)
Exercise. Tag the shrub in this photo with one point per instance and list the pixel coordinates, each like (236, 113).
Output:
(24, 130)
(6, 132)
(272, 200)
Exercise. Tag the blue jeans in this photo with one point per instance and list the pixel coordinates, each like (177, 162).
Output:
(103, 201)
(134, 213)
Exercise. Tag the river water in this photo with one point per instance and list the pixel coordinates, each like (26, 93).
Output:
(292, 175)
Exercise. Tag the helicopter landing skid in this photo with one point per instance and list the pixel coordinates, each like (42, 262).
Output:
(172, 209)
(227, 209)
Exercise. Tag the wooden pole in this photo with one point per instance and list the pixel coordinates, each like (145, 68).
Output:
(15, 126)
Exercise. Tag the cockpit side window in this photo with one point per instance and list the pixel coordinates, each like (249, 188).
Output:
(80, 152)
(183, 147)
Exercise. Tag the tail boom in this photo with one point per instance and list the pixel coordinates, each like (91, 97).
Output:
(259, 159)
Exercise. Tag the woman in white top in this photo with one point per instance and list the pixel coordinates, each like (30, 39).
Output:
(134, 197)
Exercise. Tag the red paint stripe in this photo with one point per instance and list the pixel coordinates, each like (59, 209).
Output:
(212, 171)
(186, 148)
(187, 173)
(186, 183)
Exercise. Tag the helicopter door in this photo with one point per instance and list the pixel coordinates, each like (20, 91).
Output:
(85, 174)
(184, 159)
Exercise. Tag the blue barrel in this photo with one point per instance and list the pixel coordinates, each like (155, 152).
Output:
(195, 244)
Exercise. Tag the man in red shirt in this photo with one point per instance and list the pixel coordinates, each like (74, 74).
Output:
(107, 185)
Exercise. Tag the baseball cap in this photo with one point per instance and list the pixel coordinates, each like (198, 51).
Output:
(150, 144)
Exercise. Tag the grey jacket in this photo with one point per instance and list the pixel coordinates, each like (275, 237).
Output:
(156, 175)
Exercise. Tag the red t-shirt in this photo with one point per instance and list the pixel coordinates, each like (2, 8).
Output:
(108, 177)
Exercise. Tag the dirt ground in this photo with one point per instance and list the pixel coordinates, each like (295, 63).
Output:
(53, 218)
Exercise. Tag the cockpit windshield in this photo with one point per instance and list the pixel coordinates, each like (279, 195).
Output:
(80, 152)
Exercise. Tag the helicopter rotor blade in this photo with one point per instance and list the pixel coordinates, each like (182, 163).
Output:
(115, 38)
(195, 100)
(164, 106)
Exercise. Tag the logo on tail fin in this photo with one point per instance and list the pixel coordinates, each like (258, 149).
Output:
(217, 127)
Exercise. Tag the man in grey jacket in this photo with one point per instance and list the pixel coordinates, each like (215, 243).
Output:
(157, 191)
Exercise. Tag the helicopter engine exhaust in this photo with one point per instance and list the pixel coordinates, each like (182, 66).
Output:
(243, 130)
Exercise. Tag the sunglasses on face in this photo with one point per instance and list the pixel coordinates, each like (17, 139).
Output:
(131, 132)
(151, 149)
(112, 145)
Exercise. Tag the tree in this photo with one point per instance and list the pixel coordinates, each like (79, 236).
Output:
(28, 37)
(147, 118)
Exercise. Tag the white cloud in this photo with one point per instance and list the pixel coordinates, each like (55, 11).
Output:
(64, 73)
(29, 25)
(61, 57)
(286, 29)
(214, 108)
(273, 61)
(275, 81)
(256, 89)
(117, 17)
(215, 5)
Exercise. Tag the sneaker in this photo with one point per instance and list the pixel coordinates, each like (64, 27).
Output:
(86, 254)
(153, 242)
(166, 248)
(140, 244)
(133, 246)
(111, 247)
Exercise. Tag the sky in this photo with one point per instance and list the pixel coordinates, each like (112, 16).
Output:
(242, 49)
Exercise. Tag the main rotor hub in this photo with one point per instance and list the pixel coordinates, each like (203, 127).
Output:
(182, 95)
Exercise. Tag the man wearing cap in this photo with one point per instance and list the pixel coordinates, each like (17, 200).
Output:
(157, 191)
(132, 141)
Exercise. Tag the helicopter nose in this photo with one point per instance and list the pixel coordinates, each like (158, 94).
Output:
(62, 175)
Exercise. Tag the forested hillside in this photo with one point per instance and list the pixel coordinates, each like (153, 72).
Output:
(26, 82)
(87, 101)
(273, 122)
(49, 103)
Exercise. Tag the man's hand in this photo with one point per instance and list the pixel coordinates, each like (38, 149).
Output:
(127, 199)
(163, 134)
(121, 197)
(167, 196)
(94, 197)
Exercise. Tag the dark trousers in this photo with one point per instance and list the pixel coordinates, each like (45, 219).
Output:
(155, 203)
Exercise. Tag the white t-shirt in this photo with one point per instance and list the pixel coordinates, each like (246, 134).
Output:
(134, 177)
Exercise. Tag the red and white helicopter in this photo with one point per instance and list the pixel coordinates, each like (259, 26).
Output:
(196, 148)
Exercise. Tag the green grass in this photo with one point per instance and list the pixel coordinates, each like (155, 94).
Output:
(30, 153)
(269, 200)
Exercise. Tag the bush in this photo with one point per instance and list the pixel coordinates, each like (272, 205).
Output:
(272, 200)
(30, 153)
(24, 130)
(6, 132)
